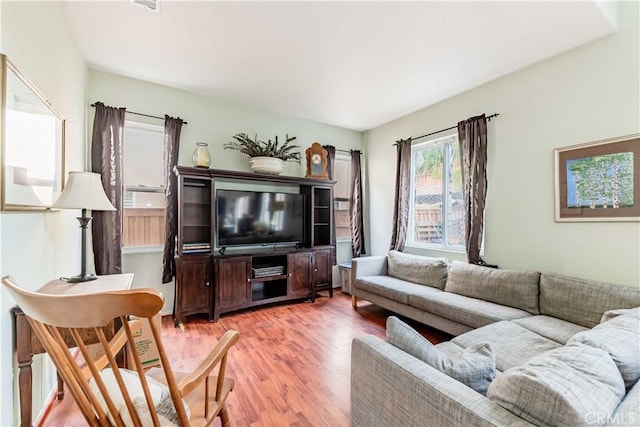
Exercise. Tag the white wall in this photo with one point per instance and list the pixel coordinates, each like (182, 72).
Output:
(588, 94)
(37, 247)
(214, 122)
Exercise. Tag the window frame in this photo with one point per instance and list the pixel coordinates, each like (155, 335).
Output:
(128, 124)
(411, 238)
(343, 158)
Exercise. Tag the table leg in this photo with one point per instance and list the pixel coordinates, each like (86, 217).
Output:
(60, 387)
(25, 360)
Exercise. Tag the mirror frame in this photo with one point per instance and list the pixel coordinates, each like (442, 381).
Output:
(6, 67)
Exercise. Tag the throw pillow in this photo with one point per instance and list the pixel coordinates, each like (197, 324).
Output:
(608, 315)
(517, 289)
(563, 387)
(418, 269)
(620, 337)
(159, 393)
(475, 367)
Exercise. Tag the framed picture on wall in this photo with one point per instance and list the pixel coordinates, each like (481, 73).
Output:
(32, 144)
(598, 181)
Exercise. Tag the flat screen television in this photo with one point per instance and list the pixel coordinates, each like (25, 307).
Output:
(259, 218)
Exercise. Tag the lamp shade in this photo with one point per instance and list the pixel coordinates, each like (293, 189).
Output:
(84, 191)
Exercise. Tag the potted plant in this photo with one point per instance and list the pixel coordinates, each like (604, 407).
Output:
(265, 157)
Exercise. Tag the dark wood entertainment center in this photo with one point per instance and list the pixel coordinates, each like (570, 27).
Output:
(214, 283)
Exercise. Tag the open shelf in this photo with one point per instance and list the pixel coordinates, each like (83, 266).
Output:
(265, 289)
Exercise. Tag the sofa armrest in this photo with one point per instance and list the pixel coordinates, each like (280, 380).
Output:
(391, 387)
(369, 266)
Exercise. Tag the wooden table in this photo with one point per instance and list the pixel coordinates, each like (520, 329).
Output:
(27, 344)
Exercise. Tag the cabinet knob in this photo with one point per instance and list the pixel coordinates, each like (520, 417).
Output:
(207, 284)
(248, 280)
(289, 274)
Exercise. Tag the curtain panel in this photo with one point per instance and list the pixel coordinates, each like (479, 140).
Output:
(472, 136)
(106, 159)
(172, 130)
(402, 193)
(331, 161)
(357, 229)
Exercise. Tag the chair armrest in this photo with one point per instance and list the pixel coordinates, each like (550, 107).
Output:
(369, 266)
(391, 387)
(192, 380)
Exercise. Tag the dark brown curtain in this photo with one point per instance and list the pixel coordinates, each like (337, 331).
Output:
(472, 136)
(357, 229)
(403, 184)
(172, 129)
(106, 159)
(331, 169)
(331, 160)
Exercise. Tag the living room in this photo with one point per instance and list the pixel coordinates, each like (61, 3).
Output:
(587, 94)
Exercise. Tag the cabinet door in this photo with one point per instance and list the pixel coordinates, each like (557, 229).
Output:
(322, 264)
(299, 270)
(233, 282)
(193, 283)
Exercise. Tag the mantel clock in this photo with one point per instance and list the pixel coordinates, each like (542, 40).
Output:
(316, 161)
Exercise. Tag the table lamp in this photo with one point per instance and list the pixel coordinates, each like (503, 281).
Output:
(83, 191)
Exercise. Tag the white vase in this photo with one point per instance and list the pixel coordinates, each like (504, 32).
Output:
(270, 165)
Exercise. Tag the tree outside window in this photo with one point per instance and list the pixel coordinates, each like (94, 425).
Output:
(437, 205)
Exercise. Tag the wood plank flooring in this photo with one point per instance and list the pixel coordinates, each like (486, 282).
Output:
(292, 363)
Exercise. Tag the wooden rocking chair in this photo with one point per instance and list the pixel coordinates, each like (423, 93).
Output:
(108, 395)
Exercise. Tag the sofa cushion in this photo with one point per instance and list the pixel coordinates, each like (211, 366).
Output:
(518, 289)
(583, 301)
(627, 414)
(620, 337)
(475, 366)
(512, 343)
(391, 287)
(465, 310)
(549, 327)
(563, 387)
(418, 269)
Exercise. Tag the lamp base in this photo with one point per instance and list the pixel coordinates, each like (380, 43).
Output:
(82, 278)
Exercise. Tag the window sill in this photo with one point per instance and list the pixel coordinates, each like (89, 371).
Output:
(142, 249)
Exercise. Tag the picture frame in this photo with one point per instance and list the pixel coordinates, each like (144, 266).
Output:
(598, 181)
(32, 138)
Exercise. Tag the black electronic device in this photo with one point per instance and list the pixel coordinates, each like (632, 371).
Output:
(249, 218)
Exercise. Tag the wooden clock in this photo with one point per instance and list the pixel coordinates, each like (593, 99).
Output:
(316, 161)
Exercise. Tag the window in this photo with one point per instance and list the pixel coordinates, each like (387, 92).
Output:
(143, 181)
(436, 214)
(342, 197)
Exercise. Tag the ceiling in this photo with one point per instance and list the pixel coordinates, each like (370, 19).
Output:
(352, 64)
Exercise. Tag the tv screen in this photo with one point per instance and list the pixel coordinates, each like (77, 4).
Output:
(258, 218)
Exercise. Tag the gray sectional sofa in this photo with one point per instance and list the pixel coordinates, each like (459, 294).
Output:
(545, 336)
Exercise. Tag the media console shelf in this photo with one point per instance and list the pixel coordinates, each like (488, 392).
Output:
(216, 283)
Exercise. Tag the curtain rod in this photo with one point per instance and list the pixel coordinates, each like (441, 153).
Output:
(346, 151)
(452, 127)
(142, 114)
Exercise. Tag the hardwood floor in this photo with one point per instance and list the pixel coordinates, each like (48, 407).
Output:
(292, 363)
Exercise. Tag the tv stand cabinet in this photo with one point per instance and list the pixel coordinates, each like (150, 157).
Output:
(215, 283)
(251, 279)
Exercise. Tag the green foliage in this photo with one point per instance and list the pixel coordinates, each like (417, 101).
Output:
(256, 148)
